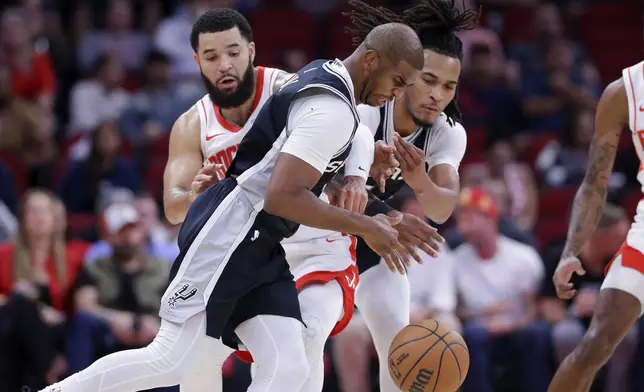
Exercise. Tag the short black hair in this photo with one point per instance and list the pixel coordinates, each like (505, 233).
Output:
(220, 19)
(435, 21)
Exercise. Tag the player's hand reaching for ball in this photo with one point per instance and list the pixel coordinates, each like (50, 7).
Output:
(563, 274)
(352, 196)
(384, 164)
(205, 178)
(381, 236)
(414, 233)
(411, 159)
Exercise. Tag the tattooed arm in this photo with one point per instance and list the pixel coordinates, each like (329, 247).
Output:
(610, 119)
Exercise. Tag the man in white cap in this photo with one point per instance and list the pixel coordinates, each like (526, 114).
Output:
(117, 297)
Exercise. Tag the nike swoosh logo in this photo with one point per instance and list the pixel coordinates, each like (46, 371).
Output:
(210, 137)
(328, 240)
(360, 168)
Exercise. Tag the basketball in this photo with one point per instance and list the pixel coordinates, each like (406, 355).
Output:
(427, 356)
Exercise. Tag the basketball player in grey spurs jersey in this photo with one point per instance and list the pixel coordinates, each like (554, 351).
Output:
(429, 147)
(279, 175)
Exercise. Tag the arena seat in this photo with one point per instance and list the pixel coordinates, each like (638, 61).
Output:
(297, 30)
(555, 203)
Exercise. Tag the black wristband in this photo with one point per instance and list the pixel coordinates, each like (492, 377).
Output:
(375, 207)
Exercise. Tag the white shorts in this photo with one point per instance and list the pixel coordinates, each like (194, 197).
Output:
(626, 273)
(311, 250)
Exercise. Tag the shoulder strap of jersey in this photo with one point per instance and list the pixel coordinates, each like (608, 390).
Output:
(634, 85)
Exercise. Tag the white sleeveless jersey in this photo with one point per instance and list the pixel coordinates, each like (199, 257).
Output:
(633, 78)
(219, 138)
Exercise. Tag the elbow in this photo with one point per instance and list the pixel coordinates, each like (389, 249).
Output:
(273, 203)
(172, 214)
(439, 215)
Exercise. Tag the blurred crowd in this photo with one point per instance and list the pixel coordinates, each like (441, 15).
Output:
(90, 90)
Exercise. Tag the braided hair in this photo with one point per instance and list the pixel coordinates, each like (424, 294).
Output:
(435, 21)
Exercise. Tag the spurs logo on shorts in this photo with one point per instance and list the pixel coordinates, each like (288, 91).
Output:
(183, 294)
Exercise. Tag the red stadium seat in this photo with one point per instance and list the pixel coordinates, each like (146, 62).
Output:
(631, 201)
(154, 176)
(275, 31)
(79, 223)
(551, 230)
(476, 140)
(160, 147)
(535, 147)
(341, 44)
(555, 203)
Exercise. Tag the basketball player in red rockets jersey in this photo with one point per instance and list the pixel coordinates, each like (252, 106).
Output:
(620, 302)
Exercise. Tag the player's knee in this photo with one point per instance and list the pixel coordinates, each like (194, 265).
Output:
(596, 348)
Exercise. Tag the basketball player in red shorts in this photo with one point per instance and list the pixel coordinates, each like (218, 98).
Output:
(619, 304)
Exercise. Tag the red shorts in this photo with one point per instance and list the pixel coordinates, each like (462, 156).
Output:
(348, 281)
(631, 258)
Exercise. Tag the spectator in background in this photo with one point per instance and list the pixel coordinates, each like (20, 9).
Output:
(157, 239)
(99, 99)
(104, 169)
(32, 76)
(511, 183)
(484, 97)
(433, 295)
(118, 39)
(559, 86)
(292, 60)
(547, 28)
(563, 162)
(497, 279)
(173, 38)
(156, 107)
(570, 319)
(37, 270)
(117, 297)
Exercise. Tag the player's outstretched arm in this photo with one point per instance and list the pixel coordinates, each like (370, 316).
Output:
(319, 126)
(588, 207)
(185, 177)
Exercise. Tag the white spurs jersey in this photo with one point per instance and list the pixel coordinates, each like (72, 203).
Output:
(633, 78)
(219, 138)
(312, 249)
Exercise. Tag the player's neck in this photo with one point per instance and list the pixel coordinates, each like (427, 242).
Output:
(240, 114)
(404, 123)
(352, 65)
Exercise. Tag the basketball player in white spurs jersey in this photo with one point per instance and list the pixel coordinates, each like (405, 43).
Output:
(620, 301)
(204, 140)
(430, 143)
(231, 274)
(202, 146)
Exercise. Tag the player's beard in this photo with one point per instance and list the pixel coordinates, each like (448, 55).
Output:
(419, 122)
(227, 100)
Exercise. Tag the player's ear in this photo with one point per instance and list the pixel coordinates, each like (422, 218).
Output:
(370, 60)
(251, 51)
(195, 57)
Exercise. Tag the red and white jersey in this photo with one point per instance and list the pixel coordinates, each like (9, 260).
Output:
(219, 138)
(634, 85)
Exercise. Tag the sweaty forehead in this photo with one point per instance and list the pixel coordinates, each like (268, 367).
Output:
(220, 41)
